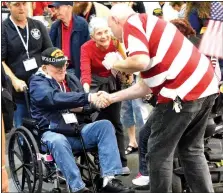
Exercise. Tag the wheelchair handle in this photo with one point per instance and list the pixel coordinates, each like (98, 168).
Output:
(25, 90)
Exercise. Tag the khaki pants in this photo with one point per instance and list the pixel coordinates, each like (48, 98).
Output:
(5, 186)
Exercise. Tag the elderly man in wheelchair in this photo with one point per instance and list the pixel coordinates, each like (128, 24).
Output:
(58, 103)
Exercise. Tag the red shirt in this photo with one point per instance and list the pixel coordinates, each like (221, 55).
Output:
(66, 33)
(177, 68)
(38, 8)
(91, 61)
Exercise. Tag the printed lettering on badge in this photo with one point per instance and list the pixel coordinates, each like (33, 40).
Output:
(30, 64)
(35, 33)
(69, 118)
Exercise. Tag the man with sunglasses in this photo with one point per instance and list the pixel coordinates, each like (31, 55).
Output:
(55, 97)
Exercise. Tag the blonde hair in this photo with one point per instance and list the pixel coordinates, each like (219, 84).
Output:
(203, 9)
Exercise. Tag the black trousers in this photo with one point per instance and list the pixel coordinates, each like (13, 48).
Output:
(112, 113)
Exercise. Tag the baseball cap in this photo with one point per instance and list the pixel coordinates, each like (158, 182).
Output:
(54, 56)
(59, 3)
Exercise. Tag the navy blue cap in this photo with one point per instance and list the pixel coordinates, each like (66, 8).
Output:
(59, 3)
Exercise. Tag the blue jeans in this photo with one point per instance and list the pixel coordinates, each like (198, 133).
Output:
(167, 130)
(99, 134)
(20, 113)
(131, 114)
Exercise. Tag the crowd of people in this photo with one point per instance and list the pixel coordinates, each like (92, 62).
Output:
(104, 58)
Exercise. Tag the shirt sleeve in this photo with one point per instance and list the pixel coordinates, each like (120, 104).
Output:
(4, 44)
(134, 36)
(85, 65)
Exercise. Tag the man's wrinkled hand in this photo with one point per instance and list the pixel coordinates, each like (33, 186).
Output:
(101, 99)
(110, 59)
(18, 85)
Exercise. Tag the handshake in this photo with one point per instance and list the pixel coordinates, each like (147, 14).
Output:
(100, 99)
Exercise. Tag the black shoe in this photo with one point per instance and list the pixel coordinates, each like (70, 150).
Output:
(145, 187)
(116, 185)
(84, 190)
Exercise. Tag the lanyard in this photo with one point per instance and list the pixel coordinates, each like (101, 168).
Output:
(62, 89)
(87, 15)
(26, 45)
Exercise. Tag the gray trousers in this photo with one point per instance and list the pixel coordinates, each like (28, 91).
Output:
(167, 130)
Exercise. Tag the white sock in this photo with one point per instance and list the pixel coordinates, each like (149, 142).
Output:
(107, 179)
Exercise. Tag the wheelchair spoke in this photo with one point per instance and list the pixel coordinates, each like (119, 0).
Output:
(28, 182)
(23, 180)
(18, 156)
(29, 173)
(19, 168)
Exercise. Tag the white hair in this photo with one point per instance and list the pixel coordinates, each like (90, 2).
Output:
(121, 11)
(96, 23)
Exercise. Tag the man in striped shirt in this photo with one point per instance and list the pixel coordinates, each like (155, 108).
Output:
(185, 84)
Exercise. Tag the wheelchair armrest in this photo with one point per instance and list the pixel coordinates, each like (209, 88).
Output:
(29, 122)
(89, 109)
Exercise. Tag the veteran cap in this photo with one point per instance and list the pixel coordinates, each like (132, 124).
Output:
(54, 56)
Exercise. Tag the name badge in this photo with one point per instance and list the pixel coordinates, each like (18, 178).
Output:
(69, 118)
(30, 64)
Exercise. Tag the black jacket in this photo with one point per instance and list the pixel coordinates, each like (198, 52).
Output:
(14, 53)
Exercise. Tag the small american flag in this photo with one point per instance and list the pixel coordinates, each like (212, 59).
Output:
(212, 40)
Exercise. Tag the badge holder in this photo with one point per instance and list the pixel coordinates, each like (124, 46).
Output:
(70, 118)
(30, 63)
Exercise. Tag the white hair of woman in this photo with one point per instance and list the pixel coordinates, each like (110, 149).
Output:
(96, 23)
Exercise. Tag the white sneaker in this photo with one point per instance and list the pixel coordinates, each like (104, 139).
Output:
(141, 180)
(125, 171)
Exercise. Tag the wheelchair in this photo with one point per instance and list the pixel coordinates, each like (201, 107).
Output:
(37, 164)
(213, 150)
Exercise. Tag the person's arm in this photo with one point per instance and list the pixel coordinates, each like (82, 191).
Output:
(17, 83)
(46, 38)
(85, 68)
(45, 6)
(133, 64)
(53, 32)
(194, 20)
(86, 32)
(138, 90)
(48, 97)
(137, 47)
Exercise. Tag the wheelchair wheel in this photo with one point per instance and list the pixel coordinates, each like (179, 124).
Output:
(25, 167)
(84, 170)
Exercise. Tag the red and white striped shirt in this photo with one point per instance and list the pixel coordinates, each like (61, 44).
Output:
(177, 68)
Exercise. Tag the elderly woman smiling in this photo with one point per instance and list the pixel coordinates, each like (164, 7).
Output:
(95, 77)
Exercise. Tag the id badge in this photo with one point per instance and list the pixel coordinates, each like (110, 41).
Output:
(30, 64)
(69, 118)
